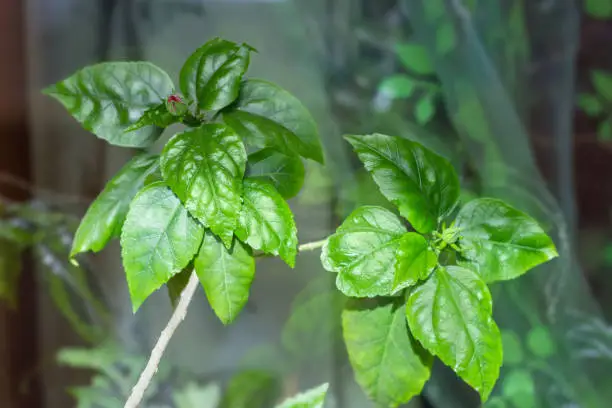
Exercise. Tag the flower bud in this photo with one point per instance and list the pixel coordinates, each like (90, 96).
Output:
(176, 106)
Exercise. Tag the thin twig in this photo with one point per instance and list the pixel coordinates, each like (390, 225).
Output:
(175, 320)
(158, 351)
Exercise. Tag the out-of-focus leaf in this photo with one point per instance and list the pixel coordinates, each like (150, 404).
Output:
(600, 9)
(590, 104)
(251, 389)
(513, 351)
(313, 398)
(10, 270)
(397, 86)
(540, 342)
(415, 58)
(193, 395)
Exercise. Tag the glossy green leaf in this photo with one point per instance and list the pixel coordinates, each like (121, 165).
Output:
(602, 81)
(226, 275)
(10, 270)
(540, 342)
(211, 76)
(110, 97)
(266, 221)
(397, 86)
(389, 365)
(363, 252)
(421, 184)
(415, 58)
(155, 116)
(251, 389)
(158, 240)
(500, 242)
(590, 104)
(266, 115)
(313, 398)
(104, 218)
(425, 109)
(177, 283)
(513, 351)
(519, 387)
(415, 260)
(450, 314)
(285, 172)
(600, 9)
(204, 167)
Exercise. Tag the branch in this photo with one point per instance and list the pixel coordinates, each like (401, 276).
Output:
(177, 317)
(158, 351)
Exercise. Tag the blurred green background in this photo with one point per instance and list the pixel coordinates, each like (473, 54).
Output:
(516, 93)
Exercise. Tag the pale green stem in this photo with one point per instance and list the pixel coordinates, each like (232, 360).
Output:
(177, 317)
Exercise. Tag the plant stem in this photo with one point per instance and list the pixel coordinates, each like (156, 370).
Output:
(311, 246)
(158, 351)
(175, 320)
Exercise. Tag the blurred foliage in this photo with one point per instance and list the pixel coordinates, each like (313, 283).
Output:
(599, 103)
(600, 9)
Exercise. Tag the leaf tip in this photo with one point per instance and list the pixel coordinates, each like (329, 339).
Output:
(51, 90)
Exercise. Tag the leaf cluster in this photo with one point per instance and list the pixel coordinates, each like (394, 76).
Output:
(423, 293)
(216, 195)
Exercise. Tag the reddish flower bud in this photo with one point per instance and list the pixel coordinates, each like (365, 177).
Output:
(176, 106)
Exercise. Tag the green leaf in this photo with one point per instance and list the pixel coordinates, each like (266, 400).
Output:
(421, 184)
(446, 39)
(313, 326)
(604, 130)
(590, 104)
(251, 389)
(389, 365)
(450, 314)
(313, 398)
(519, 388)
(496, 402)
(158, 240)
(600, 9)
(415, 58)
(415, 260)
(10, 270)
(211, 76)
(397, 86)
(266, 221)
(106, 99)
(105, 216)
(425, 109)
(285, 172)
(266, 115)
(155, 116)
(194, 395)
(176, 284)
(226, 275)
(204, 167)
(513, 351)
(500, 242)
(363, 252)
(100, 358)
(602, 81)
(540, 342)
